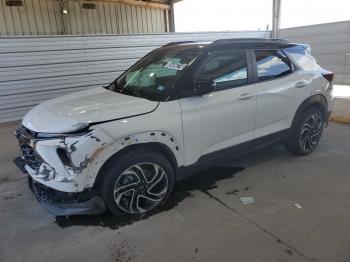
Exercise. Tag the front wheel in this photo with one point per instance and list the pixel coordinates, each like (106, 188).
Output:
(307, 133)
(139, 182)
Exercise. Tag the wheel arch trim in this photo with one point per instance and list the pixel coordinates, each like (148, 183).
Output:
(160, 141)
(318, 101)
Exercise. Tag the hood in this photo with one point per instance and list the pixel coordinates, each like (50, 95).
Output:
(66, 113)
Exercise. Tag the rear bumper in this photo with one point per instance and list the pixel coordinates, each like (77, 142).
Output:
(61, 203)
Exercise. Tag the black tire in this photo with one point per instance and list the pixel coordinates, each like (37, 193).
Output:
(307, 132)
(128, 177)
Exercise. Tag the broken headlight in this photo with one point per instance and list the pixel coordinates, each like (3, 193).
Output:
(64, 156)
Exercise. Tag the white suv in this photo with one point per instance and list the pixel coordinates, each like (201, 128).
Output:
(181, 108)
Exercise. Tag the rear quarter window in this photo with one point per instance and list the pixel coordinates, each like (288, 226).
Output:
(303, 58)
(271, 64)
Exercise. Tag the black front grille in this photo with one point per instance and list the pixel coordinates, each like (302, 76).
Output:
(30, 156)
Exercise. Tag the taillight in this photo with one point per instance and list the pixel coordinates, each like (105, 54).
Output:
(328, 75)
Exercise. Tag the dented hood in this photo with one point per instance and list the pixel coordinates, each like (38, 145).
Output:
(66, 113)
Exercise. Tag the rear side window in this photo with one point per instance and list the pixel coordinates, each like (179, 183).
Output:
(226, 68)
(271, 64)
(303, 58)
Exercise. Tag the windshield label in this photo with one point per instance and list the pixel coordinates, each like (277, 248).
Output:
(175, 65)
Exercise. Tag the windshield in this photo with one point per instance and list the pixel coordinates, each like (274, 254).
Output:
(156, 74)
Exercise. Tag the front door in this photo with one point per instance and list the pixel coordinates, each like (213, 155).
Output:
(226, 117)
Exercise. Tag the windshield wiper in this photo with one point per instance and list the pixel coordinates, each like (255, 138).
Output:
(132, 92)
(109, 85)
(126, 91)
(123, 90)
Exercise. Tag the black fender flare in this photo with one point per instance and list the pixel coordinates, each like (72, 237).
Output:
(318, 101)
(155, 146)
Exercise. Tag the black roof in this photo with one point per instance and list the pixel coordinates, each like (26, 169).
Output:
(239, 43)
(250, 41)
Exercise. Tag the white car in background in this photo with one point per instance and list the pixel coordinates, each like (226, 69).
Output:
(183, 107)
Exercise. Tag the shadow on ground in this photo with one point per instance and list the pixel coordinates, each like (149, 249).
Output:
(203, 181)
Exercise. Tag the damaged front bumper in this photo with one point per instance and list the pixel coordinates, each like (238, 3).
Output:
(62, 170)
(61, 203)
(65, 163)
(67, 204)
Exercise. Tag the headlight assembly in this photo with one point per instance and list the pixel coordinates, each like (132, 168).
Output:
(79, 129)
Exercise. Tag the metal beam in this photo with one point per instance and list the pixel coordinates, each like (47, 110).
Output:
(138, 3)
(171, 18)
(172, 14)
(276, 18)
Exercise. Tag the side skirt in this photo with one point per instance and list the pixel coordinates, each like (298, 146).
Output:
(231, 153)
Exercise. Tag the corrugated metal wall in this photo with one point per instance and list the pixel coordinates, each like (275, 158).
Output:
(34, 69)
(330, 44)
(45, 17)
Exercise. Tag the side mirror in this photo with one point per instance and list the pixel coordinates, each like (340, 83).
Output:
(203, 86)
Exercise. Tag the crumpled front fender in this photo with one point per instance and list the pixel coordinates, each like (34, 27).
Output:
(80, 151)
(84, 155)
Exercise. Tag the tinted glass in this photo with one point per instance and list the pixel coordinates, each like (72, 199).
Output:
(303, 58)
(156, 74)
(226, 68)
(271, 64)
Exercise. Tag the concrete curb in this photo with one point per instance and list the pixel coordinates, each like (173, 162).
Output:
(340, 119)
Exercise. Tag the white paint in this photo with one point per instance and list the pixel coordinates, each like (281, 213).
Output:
(95, 105)
(214, 121)
(189, 127)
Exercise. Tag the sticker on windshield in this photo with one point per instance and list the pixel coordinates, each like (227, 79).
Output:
(175, 65)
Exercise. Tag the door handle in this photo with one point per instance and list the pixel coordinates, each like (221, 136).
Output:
(245, 96)
(301, 84)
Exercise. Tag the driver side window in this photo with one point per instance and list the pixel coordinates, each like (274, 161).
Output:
(227, 69)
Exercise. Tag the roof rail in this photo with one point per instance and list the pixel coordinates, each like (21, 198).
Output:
(180, 42)
(234, 40)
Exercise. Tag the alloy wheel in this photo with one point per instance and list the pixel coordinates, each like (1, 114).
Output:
(140, 188)
(311, 132)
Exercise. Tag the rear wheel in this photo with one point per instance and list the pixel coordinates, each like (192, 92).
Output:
(307, 133)
(139, 182)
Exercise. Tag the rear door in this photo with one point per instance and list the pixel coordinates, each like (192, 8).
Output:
(280, 90)
(225, 117)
